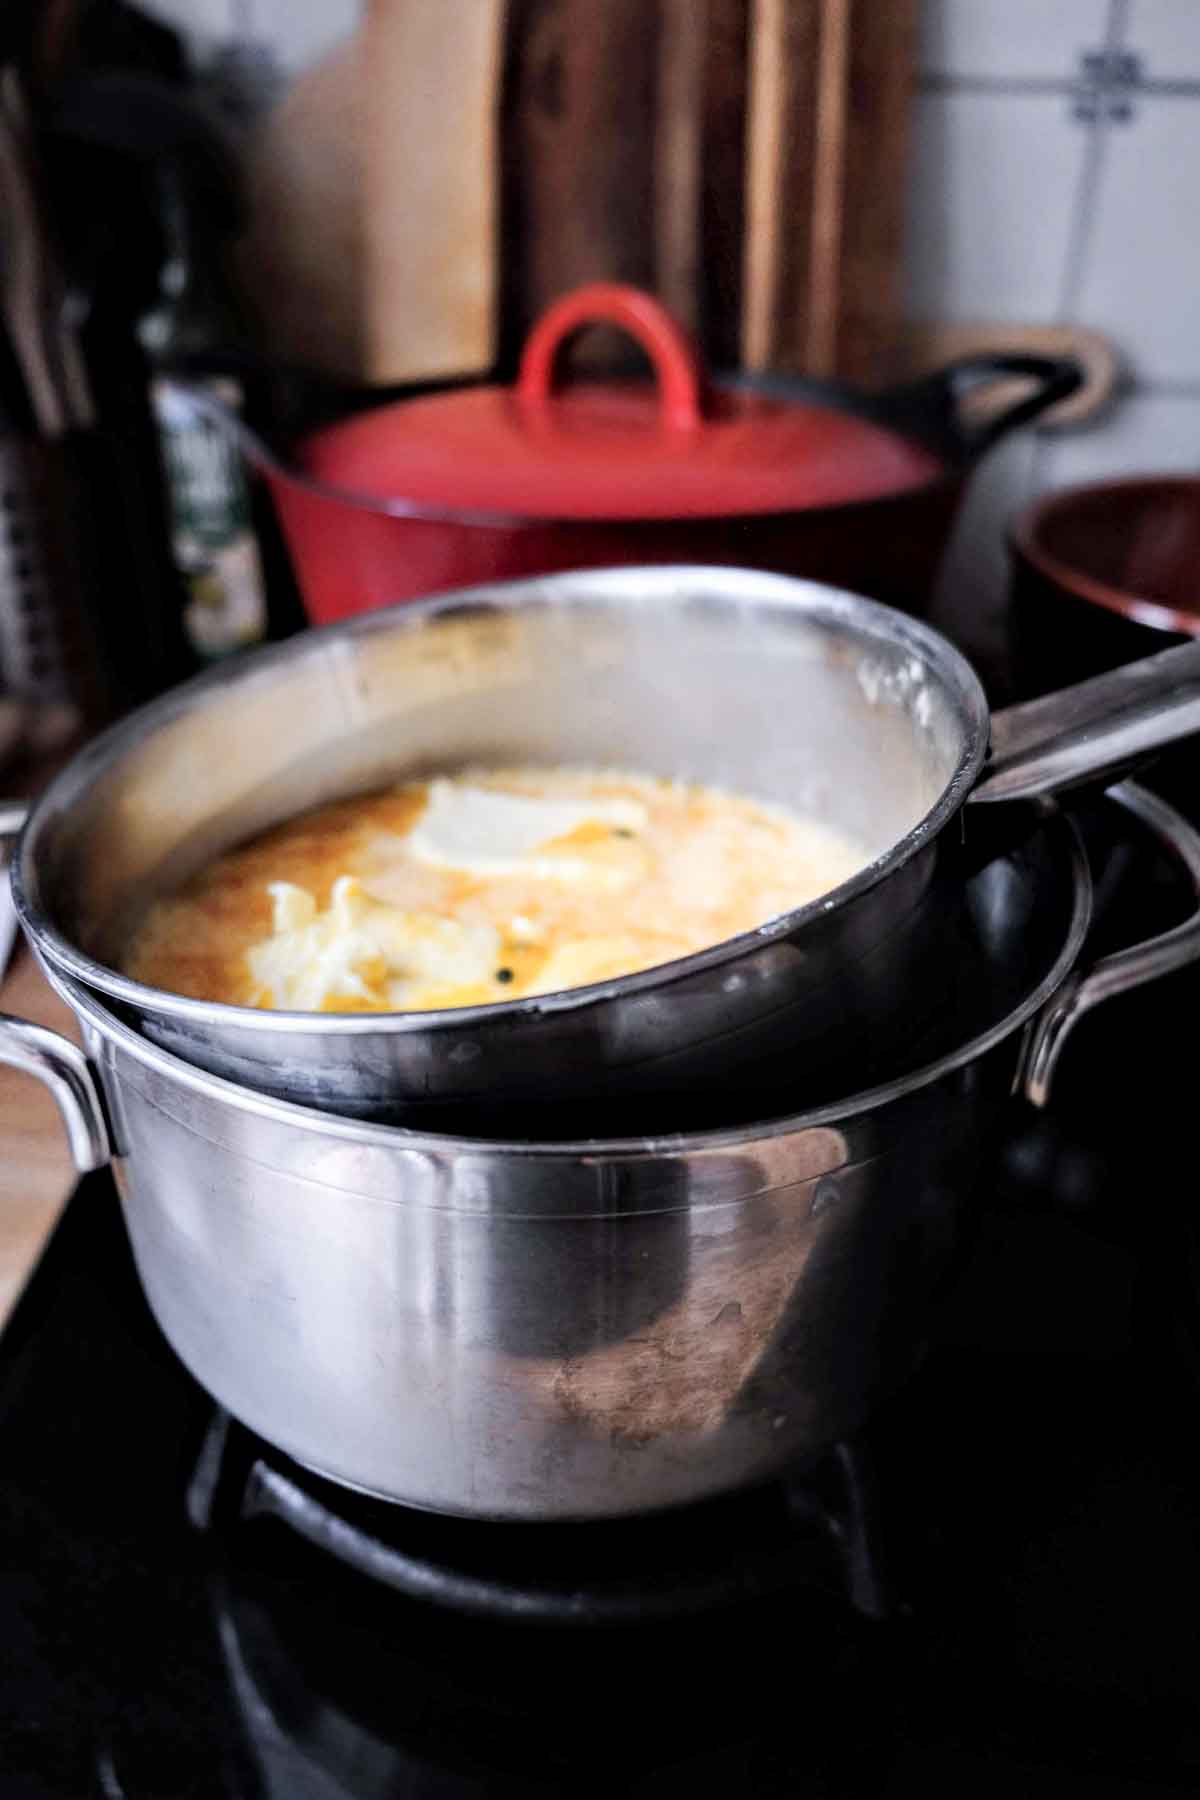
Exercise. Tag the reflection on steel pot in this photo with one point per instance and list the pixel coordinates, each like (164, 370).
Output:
(573, 1330)
(851, 714)
(483, 483)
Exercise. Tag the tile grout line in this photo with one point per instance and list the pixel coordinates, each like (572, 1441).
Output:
(1184, 388)
(996, 84)
(1049, 86)
(1118, 24)
(1115, 38)
(1083, 218)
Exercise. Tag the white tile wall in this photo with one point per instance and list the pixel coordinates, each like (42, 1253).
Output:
(297, 31)
(1141, 274)
(1020, 210)
(1011, 38)
(1151, 433)
(1166, 35)
(993, 190)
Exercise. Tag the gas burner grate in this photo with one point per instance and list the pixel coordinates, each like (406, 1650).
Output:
(816, 1530)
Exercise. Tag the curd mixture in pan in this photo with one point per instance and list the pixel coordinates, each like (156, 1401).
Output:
(480, 887)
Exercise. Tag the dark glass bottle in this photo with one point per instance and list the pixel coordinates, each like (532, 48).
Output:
(211, 514)
(149, 199)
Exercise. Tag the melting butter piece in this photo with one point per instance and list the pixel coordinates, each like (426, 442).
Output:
(481, 831)
(362, 950)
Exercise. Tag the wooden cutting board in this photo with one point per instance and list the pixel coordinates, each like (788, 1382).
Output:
(623, 159)
(829, 98)
(745, 159)
(372, 187)
(301, 262)
(430, 186)
(425, 192)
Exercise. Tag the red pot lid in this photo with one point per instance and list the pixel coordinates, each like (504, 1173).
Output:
(669, 449)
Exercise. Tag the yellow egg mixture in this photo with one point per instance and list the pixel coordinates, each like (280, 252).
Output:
(483, 886)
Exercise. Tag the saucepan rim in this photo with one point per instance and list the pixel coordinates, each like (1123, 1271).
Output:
(713, 585)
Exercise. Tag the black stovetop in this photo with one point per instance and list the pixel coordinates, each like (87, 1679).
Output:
(1016, 1613)
(1039, 1527)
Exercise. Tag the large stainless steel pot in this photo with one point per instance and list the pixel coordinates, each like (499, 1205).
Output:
(824, 701)
(516, 1330)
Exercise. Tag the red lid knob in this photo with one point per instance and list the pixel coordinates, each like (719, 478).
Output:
(673, 355)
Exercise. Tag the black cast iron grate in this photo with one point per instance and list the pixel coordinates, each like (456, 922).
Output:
(818, 1529)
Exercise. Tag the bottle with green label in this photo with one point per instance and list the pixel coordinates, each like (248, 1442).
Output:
(211, 515)
(212, 527)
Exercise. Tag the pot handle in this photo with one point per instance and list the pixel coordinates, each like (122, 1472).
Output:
(58, 1063)
(66, 1071)
(1055, 377)
(1124, 969)
(13, 814)
(1094, 730)
(673, 355)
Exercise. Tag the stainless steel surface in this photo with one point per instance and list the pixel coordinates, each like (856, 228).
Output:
(12, 816)
(8, 921)
(845, 710)
(519, 1330)
(1093, 730)
(786, 689)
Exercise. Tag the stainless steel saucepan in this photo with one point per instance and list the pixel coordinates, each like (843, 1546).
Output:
(570, 1330)
(828, 703)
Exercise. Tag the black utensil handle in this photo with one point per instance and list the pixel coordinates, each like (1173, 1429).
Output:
(1055, 376)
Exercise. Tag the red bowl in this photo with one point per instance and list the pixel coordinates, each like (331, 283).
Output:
(1130, 547)
(1105, 575)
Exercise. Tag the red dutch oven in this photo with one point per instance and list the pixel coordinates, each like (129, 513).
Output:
(484, 482)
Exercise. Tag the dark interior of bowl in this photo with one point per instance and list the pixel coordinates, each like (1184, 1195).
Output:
(1140, 539)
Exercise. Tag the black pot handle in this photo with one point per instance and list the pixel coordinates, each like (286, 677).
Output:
(931, 408)
(1056, 377)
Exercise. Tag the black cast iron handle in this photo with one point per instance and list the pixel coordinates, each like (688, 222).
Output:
(937, 400)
